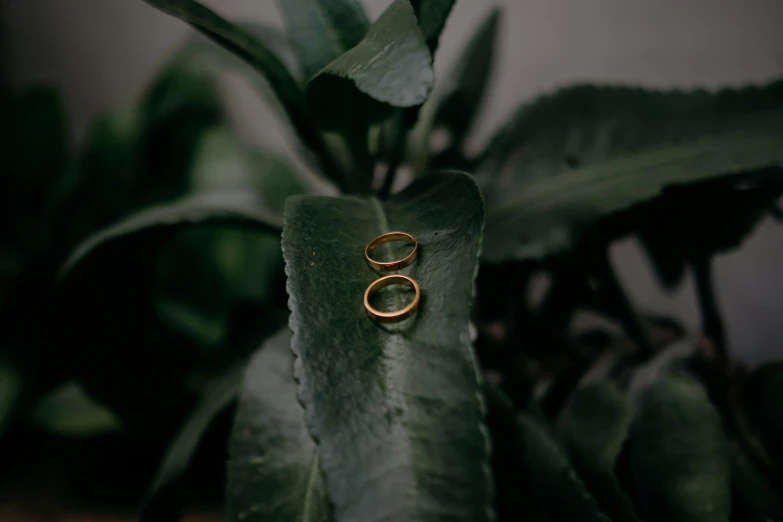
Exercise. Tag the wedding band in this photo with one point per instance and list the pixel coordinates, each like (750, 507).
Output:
(392, 265)
(398, 315)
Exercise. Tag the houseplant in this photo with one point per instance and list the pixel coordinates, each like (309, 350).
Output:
(484, 406)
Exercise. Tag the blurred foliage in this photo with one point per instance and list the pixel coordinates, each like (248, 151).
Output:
(148, 317)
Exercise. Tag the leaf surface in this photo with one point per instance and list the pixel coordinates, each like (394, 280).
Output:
(680, 454)
(105, 296)
(396, 409)
(160, 502)
(390, 67)
(180, 106)
(468, 80)
(515, 497)
(594, 428)
(255, 52)
(432, 15)
(322, 30)
(273, 468)
(570, 160)
(70, 412)
(238, 208)
(560, 490)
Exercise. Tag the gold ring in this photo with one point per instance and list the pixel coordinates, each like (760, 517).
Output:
(392, 265)
(399, 315)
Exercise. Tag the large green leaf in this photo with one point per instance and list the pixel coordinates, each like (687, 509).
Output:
(161, 500)
(224, 163)
(322, 30)
(249, 48)
(467, 82)
(590, 152)
(102, 188)
(396, 410)
(432, 15)
(236, 208)
(70, 412)
(391, 66)
(179, 107)
(202, 51)
(207, 273)
(515, 497)
(273, 468)
(680, 455)
(759, 397)
(551, 216)
(587, 125)
(594, 428)
(105, 298)
(561, 492)
(241, 43)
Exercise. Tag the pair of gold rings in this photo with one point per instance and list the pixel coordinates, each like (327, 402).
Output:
(395, 279)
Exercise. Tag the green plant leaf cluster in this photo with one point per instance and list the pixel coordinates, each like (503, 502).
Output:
(211, 294)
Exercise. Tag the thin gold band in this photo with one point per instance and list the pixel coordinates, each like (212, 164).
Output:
(398, 315)
(392, 265)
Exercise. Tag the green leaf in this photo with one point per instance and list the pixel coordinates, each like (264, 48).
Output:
(515, 498)
(588, 153)
(71, 412)
(105, 297)
(322, 30)
(233, 208)
(224, 163)
(239, 42)
(679, 454)
(561, 492)
(759, 398)
(181, 105)
(247, 264)
(672, 358)
(161, 501)
(244, 45)
(467, 82)
(101, 190)
(552, 216)
(432, 15)
(594, 428)
(201, 51)
(212, 271)
(273, 468)
(391, 66)
(396, 410)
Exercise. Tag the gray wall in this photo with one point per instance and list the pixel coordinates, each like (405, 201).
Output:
(102, 52)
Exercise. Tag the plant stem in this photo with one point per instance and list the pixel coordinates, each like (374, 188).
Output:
(328, 165)
(395, 155)
(359, 177)
(617, 301)
(711, 320)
